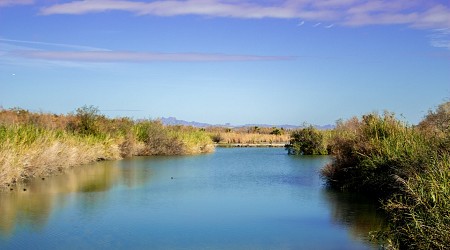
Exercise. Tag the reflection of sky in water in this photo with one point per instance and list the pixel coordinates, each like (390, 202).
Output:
(234, 198)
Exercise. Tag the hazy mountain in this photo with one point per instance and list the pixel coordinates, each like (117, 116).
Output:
(175, 121)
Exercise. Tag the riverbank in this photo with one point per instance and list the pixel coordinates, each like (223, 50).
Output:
(37, 144)
(406, 167)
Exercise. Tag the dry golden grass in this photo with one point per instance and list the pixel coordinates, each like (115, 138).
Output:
(47, 153)
(37, 144)
(249, 138)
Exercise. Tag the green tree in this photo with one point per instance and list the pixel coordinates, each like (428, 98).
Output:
(87, 120)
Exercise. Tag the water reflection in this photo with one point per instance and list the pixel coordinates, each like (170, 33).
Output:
(359, 214)
(32, 204)
(254, 198)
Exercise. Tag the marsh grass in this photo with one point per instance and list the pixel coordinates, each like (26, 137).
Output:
(33, 144)
(420, 214)
(236, 137)
(406, 167)
(27, 151)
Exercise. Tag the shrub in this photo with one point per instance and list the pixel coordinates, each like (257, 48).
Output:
(275, 131)
(307, 141)
(370, 151)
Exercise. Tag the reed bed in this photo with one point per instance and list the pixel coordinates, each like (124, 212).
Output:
(406, 167)
(248, 138)
(33, 144)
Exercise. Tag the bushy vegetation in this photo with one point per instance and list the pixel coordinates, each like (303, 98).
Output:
(37, 144)
(307, 141)
(406, 166)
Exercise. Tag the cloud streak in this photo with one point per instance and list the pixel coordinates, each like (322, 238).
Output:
(69, 46)
(113, 56)
(418, 13)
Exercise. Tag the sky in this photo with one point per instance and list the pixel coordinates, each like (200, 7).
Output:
(226, 61)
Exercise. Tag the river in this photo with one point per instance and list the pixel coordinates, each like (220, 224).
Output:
(235, 198)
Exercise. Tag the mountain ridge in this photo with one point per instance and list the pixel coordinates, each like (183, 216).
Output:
(175, 121)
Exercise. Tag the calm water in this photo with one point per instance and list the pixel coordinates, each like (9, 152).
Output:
(238, 198)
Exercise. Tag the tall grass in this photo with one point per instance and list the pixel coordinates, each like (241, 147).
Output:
(245, 137)
(420, 214)
(371, 151)
(27, 151)
(33, 144)
(406, 167)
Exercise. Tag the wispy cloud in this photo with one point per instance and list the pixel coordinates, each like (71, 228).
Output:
(114, 56)
(69, 46)
(417, 13)
(329, 26)
(22, 52)
(4, 3)
(317, 25)
(216, 8)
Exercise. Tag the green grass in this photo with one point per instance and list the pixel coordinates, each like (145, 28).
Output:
(406, 167)
(33, 144)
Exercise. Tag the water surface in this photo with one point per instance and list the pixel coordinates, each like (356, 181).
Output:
(236, 198)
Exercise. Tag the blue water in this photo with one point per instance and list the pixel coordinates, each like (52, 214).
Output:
(235, 198)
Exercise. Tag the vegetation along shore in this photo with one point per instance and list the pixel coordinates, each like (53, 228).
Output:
(406, 167)
(38, 144)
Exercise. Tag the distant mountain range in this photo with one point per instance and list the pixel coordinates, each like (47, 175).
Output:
(175, 121)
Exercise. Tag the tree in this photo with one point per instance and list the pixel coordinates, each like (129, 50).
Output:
(87, 117)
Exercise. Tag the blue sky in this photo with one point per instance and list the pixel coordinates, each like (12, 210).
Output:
(220, 61)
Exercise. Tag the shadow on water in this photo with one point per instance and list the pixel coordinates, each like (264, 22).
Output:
(361, 215)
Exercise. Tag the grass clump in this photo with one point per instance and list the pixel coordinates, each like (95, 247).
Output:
(371, 151)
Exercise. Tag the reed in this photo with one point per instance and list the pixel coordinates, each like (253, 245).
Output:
(37, 144)
(406, 167)
(248, 138)
(370, 151)
(27, 151)
(420, 215)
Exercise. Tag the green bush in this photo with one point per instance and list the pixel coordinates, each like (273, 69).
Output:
(369, 152)
(307, 141)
